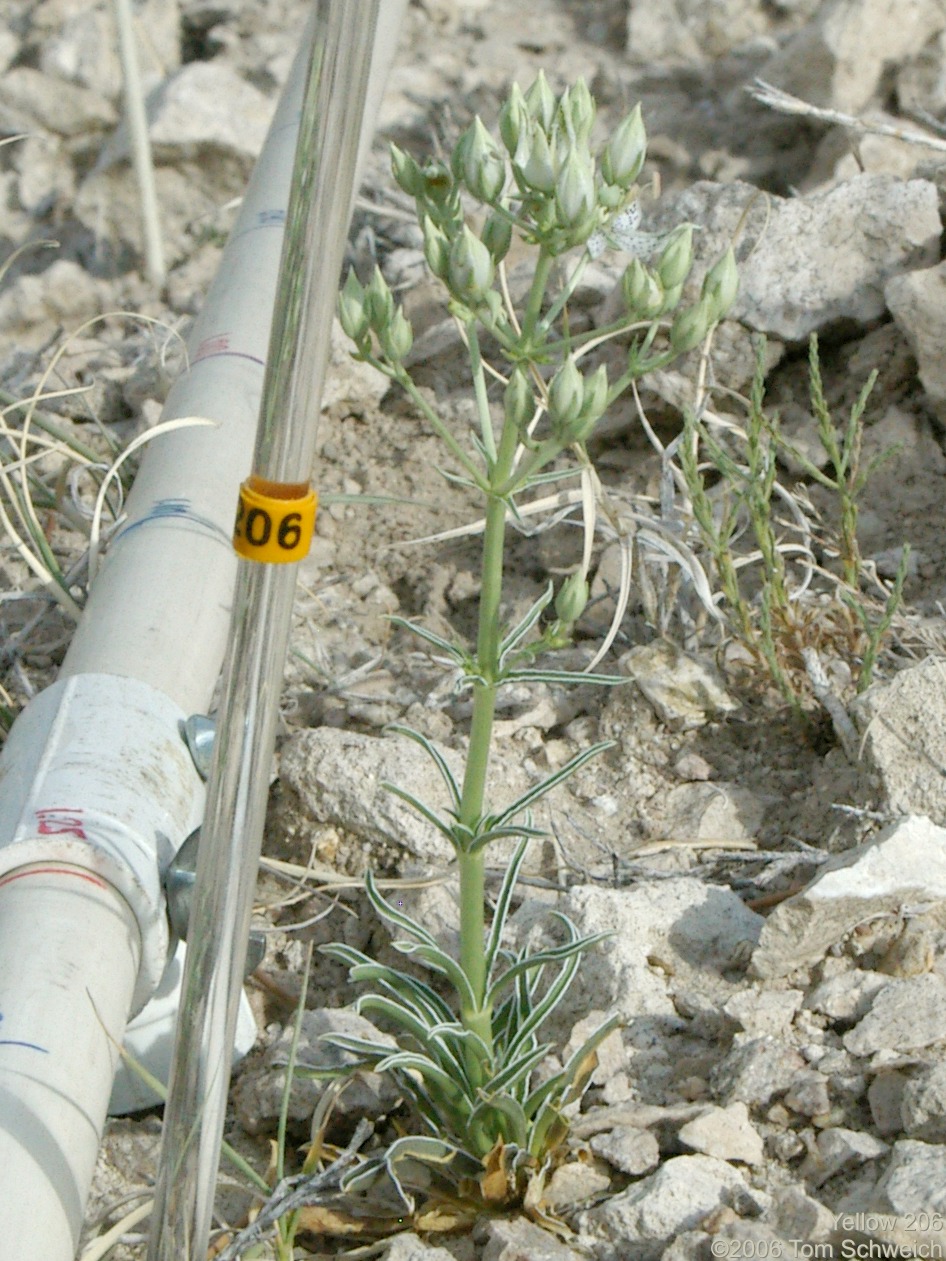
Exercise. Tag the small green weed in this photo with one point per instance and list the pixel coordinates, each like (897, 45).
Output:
(778, 602)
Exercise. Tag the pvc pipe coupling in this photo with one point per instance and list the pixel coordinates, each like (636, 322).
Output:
(96, 774)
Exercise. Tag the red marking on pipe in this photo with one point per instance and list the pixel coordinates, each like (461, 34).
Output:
(60, 821)
(39, 869)
(212, 346)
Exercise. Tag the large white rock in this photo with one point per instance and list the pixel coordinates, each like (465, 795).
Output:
(29, 98)
(905, 864)
(642, 1220)
(340, 776)
(680, 926)
(207, 106)
(726, 1133)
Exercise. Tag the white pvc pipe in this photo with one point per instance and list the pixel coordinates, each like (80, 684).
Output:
(64, 1000)
(94, 777)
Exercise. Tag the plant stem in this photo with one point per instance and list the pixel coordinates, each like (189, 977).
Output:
(479, 389)
(471, 866)
(540, 280)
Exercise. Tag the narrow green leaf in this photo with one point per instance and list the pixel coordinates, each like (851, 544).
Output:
(517, 1070)
(435, 755)
(452, 650)
(546, 785)
(503, 901)
(420, 808)
(510, 1110)
(423, 996)
(431, 1072)
(568, 677)
(393, 915)
(532, 1014)
(561, 1083)
(397, 1013)
(435, 958)
(367, 1051)
(522, 628)
(556, 475)
(482, 839)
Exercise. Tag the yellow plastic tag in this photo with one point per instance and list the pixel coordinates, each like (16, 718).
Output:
(275, 521)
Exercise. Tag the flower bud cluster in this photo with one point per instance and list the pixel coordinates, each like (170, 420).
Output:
(549, 144)
(369, 309)
(565, 191)
(651, 293)
(541, 174)
(718, 292)
(576, 403)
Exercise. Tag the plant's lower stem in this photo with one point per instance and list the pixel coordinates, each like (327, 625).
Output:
(472, 797)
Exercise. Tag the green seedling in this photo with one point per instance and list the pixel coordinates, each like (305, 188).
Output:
(756, 534)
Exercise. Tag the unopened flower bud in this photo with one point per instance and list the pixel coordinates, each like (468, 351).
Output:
(540, 101)
(406, 172)
(490, 308)
(624, 154)
(513, 118)
(671, 300)
(690, 326)
(518, 399)
(436, 248)
(478, 162)
(596, 396)
(643, 293)
(721, 284)
(574, 190)
(571, 599)
(566, 397)
(497, 236)
(397, 337)
(438, 185)
(675, 261)
(469, 267)
(534, 160)
(578, 107)
(351, 308)
(379, 302)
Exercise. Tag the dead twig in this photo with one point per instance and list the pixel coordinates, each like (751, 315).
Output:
(785, 103)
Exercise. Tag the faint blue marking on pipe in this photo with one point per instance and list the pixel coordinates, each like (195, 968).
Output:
(273, 218)
(30, 1046)
(176, 510)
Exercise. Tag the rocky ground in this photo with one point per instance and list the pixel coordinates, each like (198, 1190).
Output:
(777, 887)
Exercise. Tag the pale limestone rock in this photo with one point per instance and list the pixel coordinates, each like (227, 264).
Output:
(904, 865)
(726, 1133)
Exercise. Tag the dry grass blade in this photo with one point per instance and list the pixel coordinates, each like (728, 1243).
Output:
(166, 426)
(99, 1248)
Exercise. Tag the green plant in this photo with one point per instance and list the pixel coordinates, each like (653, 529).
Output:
(770, 602)
(469, 1067)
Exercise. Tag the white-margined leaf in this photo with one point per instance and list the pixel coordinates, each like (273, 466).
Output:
(522, 628)
(567, 677)
(546, 785)
(503, 901)
(393, 915)
(436, 757)
(456, 653)
(424, 811)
